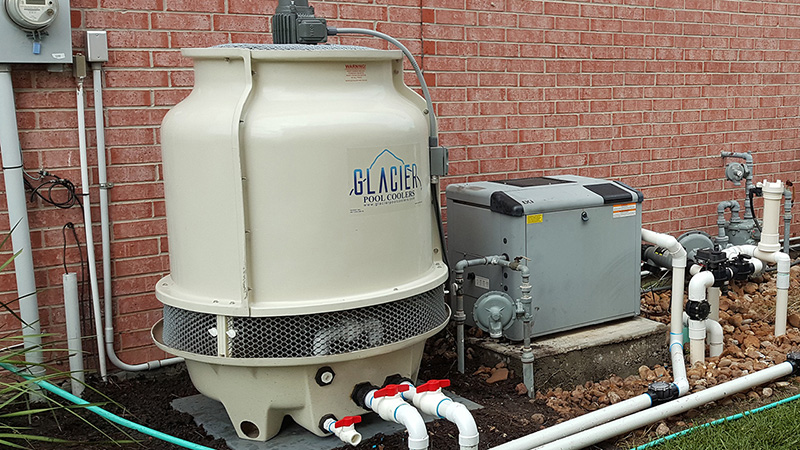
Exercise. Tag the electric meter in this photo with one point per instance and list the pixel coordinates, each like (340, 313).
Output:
(32, 15)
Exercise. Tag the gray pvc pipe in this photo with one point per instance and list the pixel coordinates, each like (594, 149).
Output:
(106, 235)
(18, 221)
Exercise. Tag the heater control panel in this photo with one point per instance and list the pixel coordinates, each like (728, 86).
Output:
(35, 31)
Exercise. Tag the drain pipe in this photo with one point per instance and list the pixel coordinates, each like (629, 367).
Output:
(526, 312)
(87, 225)
(18, 221)
(105, 227)
(429, 399)
(390, 406)
(459, 316)
(677, 406)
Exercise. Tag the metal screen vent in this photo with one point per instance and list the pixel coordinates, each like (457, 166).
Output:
(188, 331)
(314, 334)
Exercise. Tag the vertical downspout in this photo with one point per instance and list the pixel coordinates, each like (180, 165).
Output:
(18, 221)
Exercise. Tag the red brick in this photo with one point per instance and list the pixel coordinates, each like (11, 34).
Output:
(195, 6)
(116, 19)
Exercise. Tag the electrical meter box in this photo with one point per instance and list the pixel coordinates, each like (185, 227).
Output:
(35, 31)
(582, 238)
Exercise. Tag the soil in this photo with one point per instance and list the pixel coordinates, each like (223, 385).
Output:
(506, 413)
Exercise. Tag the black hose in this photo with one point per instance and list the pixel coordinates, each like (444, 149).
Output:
(753, 210)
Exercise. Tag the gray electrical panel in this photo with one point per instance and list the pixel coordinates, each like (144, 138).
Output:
(35, 31)
(582, 236)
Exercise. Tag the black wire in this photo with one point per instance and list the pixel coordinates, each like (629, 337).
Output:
(51, 184)
(753, 210)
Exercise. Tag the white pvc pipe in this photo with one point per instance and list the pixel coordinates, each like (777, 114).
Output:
(671, 408)
(784, 263)
(73, 321)
(678, 254)
(578, 424)
(770, 238)
(437, 404)
(713, 301)
(105, 228)
(697, 341)
(347, 434)
(18, 221)
(714, 337)
(87, 221)
(395, 409)
(698, 286)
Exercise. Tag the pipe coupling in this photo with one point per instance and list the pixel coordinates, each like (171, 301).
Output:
(698, 310)
(661, 392)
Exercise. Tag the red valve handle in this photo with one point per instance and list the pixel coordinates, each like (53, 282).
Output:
(391, 390)
(433, 385)
(347, 421)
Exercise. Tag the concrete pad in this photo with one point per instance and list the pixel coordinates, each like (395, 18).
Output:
(212, 416)
(588, 354)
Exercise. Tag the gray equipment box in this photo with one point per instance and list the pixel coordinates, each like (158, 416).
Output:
(582, 235)
(17, 45)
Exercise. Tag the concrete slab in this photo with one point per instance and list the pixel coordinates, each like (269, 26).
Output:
(588, 354)
(212, 416)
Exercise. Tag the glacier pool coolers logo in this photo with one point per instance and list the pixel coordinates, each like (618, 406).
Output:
(377, 182)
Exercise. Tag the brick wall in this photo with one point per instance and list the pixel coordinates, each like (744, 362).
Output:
(643, 91)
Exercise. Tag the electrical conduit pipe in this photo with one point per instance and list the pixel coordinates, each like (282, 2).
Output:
(429, 399)
(18, 221)
(87, 225)
(677, 406)
(103, 413)
(106, 235)
(391, 407)
(640, 402)
(344, 429)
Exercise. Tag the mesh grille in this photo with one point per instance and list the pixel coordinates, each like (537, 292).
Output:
(304, 47)
(315, 334)
(189, 331)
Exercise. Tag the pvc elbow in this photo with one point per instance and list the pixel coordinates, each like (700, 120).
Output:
(417, 433)
(468, 435)
(698, 285)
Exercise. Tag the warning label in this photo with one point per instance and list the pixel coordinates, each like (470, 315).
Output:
(354, 73)
(624, 210)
